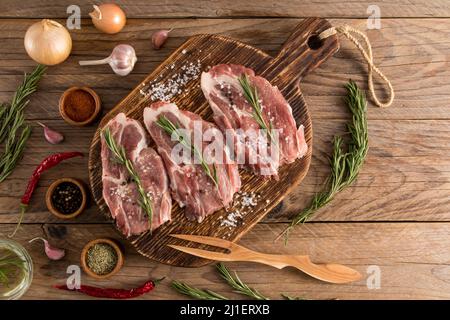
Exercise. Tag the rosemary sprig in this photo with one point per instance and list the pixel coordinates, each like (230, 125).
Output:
(13, 130)
(288, 297)
(173, 130)
(345, 166)
(120, 156)
(251, 95)
(202, 294)
(236, 283)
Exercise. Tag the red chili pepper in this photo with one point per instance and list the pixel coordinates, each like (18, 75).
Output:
(113, 293)
(47, 163)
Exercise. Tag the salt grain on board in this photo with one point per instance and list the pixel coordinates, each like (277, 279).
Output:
(244, 203)
(166, 90)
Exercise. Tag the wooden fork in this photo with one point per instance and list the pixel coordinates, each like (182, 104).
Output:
(334, 273)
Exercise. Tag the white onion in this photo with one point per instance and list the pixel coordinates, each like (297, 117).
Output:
(48, 42)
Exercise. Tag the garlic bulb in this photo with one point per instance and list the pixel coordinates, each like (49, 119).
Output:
(48, 42)
(121, 60)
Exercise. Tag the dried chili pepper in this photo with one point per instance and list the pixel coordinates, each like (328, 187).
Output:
(113, 293)
(46, 164)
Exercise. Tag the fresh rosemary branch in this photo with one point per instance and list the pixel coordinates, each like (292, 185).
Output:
(345, 166)
(236, 283)
(251, 95)
(121, 157)
(14, 146)
(288, 297)
(173, 130)
(9, 264)
(196, 293)
(13, 131)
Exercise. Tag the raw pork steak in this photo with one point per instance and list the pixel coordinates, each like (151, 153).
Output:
(191, 186)
(120, 192)
(231, 110)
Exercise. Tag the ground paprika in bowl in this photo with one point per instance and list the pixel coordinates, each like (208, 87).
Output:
(79, 106)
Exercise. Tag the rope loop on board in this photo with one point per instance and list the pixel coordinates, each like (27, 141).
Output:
(352, 34)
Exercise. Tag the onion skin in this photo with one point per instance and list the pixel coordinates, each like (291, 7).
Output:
(108, 17)
(48, 42)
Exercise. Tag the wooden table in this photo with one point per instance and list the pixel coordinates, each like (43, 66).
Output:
(396, 216)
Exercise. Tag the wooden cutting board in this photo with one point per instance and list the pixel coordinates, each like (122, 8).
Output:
(301, 54)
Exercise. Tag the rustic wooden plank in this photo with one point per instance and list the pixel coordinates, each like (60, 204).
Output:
(402, 49)
(229, 8)
(406, 178)
(402, 251)
(405, 181)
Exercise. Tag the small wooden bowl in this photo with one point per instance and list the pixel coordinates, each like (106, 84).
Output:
(62, 107)
(51, 189)
(116, 248)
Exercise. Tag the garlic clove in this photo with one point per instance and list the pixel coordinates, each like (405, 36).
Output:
(159, 38)
(52, 253)
(52, 136)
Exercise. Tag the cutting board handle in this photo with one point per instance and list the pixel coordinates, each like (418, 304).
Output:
(301, 53)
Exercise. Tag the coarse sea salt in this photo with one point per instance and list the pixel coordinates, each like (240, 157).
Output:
(243, 204)
(166, 90)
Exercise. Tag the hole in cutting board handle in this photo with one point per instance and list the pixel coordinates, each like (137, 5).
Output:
(314, 42)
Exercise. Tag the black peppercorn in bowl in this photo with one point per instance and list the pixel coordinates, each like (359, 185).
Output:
(66, 198)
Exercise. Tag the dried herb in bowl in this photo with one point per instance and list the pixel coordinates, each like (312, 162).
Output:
(101, 258)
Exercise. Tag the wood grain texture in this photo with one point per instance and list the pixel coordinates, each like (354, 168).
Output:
(413, 259)
(230, 8)
(405, 177)
(413, 53)
(295, 60)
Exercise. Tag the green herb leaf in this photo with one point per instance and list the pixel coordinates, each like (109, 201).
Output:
(120, 157)
(196, 293)
(287, 297)
(236, 283)
(345, 166)
(13, 131)
(251, 95)
(173, 130)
